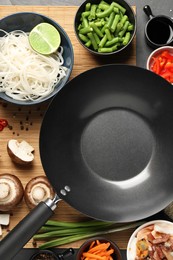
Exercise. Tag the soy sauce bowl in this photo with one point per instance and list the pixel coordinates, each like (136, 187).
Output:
(85, 247)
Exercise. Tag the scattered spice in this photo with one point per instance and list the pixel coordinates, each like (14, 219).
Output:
(44, 256)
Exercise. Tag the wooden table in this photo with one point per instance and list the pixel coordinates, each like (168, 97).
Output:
(25, 121)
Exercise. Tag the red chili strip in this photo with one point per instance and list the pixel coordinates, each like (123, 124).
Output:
(3, 123)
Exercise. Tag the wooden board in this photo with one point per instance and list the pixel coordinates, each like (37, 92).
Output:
(25, 121)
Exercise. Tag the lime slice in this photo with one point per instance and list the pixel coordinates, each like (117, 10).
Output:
(44, 38)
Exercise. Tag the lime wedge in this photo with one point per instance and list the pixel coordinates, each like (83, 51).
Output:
(44, 38)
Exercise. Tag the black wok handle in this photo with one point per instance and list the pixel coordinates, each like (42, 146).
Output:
(148, 12)
(22, 233)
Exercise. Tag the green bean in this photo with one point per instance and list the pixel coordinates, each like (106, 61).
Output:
(120, 7)
(85, 14)
(85, 30)
(103, 6)
(123, 31)
(115, 22)
(121, 23)
(105, 13)
(130, 27)
(118, 28)
(112, 42)
(108, 34)
(103, 28)
(85, 22)
(126, 38)
(97, 39)
(124, 19)
(92, 12)
(88, 7)
(88, 44)
(96, 29)
(103, 41)
(93, 41)
(84, 38)
(110, 20)
(105, 50)
(104, 2)
(100, 23)
(116, 10)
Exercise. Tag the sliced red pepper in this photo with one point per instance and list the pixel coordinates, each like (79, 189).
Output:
(156, 66)
(163, 61)
(163, 66)
(169, 65)
(167, 55)
(166, 75)
(3, 122)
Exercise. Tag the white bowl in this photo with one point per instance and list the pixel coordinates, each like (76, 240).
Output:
(156, 53)
(131, 247)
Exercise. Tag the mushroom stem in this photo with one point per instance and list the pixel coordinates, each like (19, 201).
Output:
(38, 193)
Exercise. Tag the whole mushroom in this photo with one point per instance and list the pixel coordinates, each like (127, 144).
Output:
(38, 189)
(11, 191)
(20, 152)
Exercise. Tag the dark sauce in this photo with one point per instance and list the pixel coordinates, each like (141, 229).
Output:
(159, 31)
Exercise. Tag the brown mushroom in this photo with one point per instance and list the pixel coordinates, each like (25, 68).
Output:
(11, 191)
(20, 152)
(38, 189)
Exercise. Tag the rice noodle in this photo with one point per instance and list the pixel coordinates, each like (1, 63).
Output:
(25, 74)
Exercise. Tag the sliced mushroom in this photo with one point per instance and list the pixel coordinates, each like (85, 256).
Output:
(38, 189)
(11, 191)
(4, 219)
(20, 152)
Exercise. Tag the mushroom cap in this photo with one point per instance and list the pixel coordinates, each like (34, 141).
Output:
(38, 189)
(20, 152)
(11, 191)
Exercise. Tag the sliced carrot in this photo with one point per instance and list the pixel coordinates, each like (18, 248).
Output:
(92, 244)
(98, 251)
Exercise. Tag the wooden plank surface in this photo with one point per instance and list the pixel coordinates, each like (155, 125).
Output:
(25, 121)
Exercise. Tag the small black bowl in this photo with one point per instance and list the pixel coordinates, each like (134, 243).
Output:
(129, 12)
(85, 246)
(26, 21)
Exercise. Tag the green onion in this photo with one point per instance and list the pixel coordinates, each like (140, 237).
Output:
(59, 233)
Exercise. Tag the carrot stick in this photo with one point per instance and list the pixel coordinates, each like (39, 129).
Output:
(89, 255)
(98, 251)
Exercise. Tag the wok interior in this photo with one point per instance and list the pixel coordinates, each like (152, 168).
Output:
(109, 139)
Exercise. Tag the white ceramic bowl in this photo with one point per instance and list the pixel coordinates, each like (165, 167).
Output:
(131, 247)
(156, 53)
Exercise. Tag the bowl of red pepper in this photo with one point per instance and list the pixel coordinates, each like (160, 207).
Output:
(160, 61)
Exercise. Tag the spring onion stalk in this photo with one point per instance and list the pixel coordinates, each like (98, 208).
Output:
(83, 233)
(69, 231)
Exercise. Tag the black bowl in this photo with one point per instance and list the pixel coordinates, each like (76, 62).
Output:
(26, 21)
(85, 246)
(129, 12)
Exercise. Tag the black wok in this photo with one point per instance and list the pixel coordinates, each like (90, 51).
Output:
(106, 145)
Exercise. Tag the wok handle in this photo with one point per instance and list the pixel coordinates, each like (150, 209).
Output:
(25, 229)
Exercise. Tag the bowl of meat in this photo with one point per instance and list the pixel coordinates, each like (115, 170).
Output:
(152, 240)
